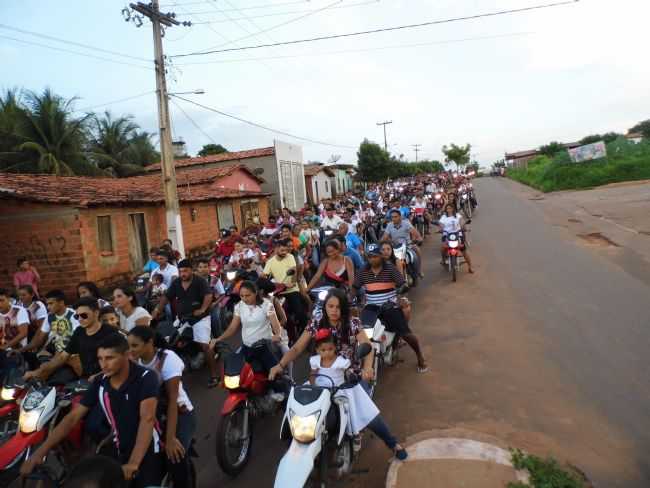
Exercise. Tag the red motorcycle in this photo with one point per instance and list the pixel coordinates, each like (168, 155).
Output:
(249, 397)
(40, 410)
(12, 392)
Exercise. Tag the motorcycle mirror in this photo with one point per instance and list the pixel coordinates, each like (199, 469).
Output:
(469, 221)
(363, 350)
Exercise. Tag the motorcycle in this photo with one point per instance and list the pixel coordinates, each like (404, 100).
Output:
(409, 259)
(465, 204)
(249, 397)
(418, 219)
(454, 253)
(142, 292)
(179, 335)
(13, 391)
(317, 420)
(39, 411)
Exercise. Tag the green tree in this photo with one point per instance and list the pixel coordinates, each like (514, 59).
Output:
(606, 138)
(643, 128)
(457, 154)
(374, 163)
(117, 146)
(209, 149)
(45, 135)
(551, 149)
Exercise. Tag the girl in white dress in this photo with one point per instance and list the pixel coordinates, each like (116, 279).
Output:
(363, 410)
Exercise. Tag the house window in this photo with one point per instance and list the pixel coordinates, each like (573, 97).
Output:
(250, 212)
(326, 187)
(105, 233)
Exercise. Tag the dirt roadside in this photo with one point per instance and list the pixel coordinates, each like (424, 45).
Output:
(489, 374)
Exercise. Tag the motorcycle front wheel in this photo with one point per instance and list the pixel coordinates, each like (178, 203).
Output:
(233, 451)
(452, 265)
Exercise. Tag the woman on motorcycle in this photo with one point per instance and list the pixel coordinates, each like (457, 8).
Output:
(388, 253)
(347, 333)
(452, 221)
(127, 309)
(175, 410)
(258, 322)
(90, 289)
(335, 270)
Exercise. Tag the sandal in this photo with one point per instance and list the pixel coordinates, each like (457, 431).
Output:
(400, 452)
(423, 368)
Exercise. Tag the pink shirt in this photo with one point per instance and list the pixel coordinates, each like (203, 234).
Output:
(26, 278)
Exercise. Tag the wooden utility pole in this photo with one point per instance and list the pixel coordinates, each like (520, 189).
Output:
(172, 209)
(385, 139)
(416, 148)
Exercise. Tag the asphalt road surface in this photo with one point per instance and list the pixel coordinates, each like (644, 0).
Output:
(545, 347)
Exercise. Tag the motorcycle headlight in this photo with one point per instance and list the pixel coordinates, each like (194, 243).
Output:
(438, 196)
(231, 382)
(464, 196)
(322, 295)
(8, 394)
(303, 429)
(28, 420)
(231, 275)
(453, 244)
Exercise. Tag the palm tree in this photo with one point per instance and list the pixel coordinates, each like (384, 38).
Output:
(50, 139)
(117, 146)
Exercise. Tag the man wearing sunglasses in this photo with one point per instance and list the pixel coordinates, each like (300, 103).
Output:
(84, 343)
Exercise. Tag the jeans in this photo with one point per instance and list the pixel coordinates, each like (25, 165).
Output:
(295, 307)
(379, 427)
(261, 358)
(185, 429)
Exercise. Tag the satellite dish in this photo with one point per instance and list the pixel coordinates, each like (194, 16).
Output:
(258, 171)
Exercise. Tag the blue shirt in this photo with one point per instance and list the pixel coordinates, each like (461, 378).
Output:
(150, 266)
(405, 211)
(353, 241)
(356, 258)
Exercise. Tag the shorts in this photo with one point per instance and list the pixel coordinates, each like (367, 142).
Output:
(395, 321)
(202, 330)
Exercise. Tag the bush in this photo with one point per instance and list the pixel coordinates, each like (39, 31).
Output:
(625, 161)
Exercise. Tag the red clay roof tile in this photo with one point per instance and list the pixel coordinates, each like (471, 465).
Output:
(218, 158)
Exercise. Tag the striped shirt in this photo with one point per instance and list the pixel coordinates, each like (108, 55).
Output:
(381, 287)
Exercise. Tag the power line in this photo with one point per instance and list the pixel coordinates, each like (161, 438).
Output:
(197, 126)
(260, 126)
(86, 109)
(254, 7)
(385, 29)
(72, 43)
(362, 50)
(295, 19)
(278, 14)
(75, 52)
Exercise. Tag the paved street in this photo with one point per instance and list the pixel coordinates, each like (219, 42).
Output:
(544, 347)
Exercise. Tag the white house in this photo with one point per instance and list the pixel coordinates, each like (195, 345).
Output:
(318, 183)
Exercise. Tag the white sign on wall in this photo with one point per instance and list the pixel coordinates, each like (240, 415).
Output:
(597, 150)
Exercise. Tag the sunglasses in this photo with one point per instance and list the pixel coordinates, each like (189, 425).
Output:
(82, 315)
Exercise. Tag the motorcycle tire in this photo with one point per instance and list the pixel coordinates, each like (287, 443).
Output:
(467, 209)
(191, 479)
(453, 266)
(224, 429)
(376, 366)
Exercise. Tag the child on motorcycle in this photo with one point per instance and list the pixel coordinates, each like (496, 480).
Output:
(327, 362)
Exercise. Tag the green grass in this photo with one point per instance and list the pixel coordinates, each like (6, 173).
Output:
(544, 473)
(625, 161)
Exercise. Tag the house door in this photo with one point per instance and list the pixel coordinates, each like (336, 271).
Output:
(317, 199)
(138, 243)
(225, 215)
(249, 211)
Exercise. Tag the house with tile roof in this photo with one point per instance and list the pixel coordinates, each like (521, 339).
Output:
(78, 228)
(280, 166)
(318, 181)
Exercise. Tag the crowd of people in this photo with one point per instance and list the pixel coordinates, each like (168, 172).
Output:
(344, 245)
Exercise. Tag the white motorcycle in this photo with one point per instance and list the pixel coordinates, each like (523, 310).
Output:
(409, 258)
(318, 419)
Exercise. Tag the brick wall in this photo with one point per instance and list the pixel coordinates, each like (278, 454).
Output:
(203, 230)
(49, 236)
(239, 180)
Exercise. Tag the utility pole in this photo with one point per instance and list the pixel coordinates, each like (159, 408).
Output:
(172, 208)
(416, 148)
(385, 140)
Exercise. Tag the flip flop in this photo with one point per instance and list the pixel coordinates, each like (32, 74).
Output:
(423, 369)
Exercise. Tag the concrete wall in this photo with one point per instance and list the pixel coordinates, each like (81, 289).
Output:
(290, 167)
(323, 183)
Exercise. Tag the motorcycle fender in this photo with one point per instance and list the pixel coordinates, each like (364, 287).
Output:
(14, 447)
(296, 465)
(233, 400)
(344, 408)
(8, 408)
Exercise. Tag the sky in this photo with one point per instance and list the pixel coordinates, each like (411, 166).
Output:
(502, 83)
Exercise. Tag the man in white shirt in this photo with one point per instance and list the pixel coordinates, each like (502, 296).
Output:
(168, 271)
(331, 221)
